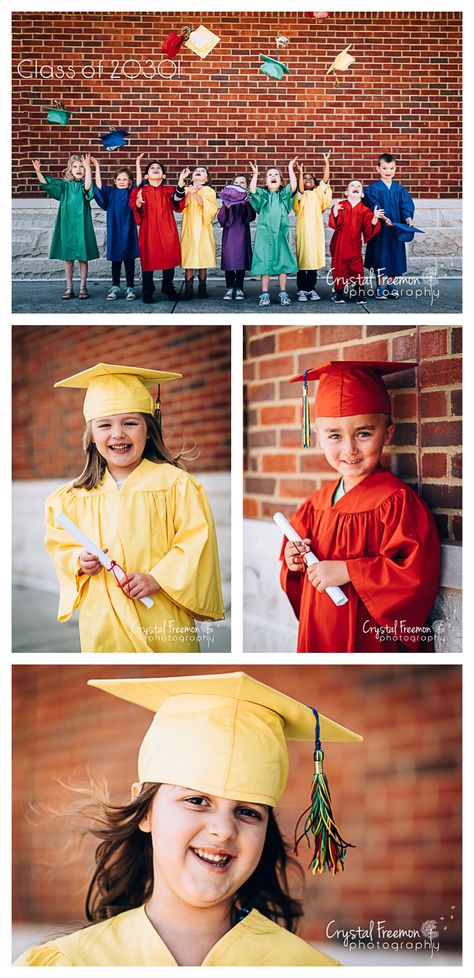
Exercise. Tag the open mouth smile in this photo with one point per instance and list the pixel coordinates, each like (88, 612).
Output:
(120, 449)
(216, 860)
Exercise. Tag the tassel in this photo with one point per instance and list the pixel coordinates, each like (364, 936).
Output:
(158, 410)
(305, 423)
(329, 846)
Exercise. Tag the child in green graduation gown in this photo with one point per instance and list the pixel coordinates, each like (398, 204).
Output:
(271, 252)
(73, 235)
(192, 872)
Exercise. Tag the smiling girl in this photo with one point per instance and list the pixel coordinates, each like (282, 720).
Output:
(122, 238)
(374, 536)
(136, 502)
(198, 245)
(73, 235)
(271, 252)
(193, 872)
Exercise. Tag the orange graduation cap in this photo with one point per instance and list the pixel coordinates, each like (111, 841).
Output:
(347, 388)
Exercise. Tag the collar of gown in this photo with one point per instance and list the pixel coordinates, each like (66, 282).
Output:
(365, 496)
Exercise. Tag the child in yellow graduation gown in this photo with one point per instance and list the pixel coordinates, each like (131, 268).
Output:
(198, 245)
(197, 859)
(309, 205)
(135, 501)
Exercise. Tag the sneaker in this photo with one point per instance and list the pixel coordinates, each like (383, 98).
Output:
(338, 297)
(239, 294)
(264, 299)
(130, 292)
(381, 292)
(284, 299)
(312, 296)
(301, 296)
(229, 294)
(113, 293)
(392, 291)
(360, 296)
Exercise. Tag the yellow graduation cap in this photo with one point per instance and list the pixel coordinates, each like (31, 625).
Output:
(226, 735)
(116, 389)
(342, 62)
(202, 41)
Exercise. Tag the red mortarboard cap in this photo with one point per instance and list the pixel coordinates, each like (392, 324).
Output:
(350, 387)
(173, 43)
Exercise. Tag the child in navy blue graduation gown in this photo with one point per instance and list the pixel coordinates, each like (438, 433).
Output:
(122, 236)
(385, 253)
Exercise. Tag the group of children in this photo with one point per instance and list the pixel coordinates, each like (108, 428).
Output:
(141, 223)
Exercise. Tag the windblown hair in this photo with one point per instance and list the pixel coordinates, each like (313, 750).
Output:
(67, 173)
(123, 875)
(155, 450)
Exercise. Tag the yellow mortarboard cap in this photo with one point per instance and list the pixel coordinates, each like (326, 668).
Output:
(116, 389)
(343, 61)
(221, 734)
(202, 41)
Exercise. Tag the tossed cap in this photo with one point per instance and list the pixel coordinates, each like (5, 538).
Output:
(273, 68)
(224, 734)
(174, 41)
(202, 41)
(114, 139)
(350, 387)
(233, 194)
(405, 232)
(115, 388)
(343, 61)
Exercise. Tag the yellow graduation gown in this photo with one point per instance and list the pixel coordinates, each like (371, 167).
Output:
(309, 208)
(159, 523)
(198, 245)
(131, 940)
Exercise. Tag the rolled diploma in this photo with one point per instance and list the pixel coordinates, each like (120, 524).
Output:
(335, 593)
(62, 520)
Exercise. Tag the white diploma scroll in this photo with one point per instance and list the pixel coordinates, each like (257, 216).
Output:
(62, 520)
(335, 593)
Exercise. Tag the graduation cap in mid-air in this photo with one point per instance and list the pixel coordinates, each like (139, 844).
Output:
(405, 232)
(57, 113)
(273, 67)
(114, 139)
(233, 194)
(174, 42)
(343, 61)
(201, 41)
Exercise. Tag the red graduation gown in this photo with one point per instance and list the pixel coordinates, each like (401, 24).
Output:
(389, 539)
(158, 239)
(346, 243)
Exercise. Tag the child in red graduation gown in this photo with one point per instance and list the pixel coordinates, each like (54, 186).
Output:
(153, 205)
(374, 536)
(350, 219)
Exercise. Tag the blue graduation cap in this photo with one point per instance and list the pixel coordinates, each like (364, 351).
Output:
(405, 232)
(115, 139)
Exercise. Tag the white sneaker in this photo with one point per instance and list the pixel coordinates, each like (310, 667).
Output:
(239, 294)
(228, 294)
(313, 296)
(301, 296)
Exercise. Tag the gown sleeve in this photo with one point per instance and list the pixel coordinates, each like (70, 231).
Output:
(222, 215)
(324, 192)
(53, 188)
(292, 581)
(369, 230)
(189, 572)
(64, 553)
(137, 211)
(209, 208)
(286, 196)
(102, 196)
(371, 198)
(257, 199)
(407, 206)
(298, 203)
(43, 956)
(400, 584)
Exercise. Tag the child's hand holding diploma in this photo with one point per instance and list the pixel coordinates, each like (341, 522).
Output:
(294, 554)
(328, 573)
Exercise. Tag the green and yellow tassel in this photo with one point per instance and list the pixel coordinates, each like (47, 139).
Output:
(305, 419)
(329, 846)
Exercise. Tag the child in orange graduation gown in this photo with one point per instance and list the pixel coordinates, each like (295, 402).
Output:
(373, 535)
(350, 219)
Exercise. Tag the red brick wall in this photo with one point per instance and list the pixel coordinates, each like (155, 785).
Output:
(427, 446)
(396, 795)
(48, 424)
(403, 94)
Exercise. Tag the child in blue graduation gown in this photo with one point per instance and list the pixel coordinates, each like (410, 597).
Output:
(122, 237)
(385, 253)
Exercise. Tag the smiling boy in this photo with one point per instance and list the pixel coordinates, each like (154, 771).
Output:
(373, 535)
(387, 254)
(351, 220)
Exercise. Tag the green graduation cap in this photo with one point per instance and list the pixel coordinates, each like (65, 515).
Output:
(273, 68)
(57, 113)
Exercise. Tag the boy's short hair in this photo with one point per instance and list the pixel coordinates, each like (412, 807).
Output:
(124, 169)
(163, 167)
(386, 158)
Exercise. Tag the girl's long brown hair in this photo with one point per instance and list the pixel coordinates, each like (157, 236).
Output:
(123, 875)
(155, 450)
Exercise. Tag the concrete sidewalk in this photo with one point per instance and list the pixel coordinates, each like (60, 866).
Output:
(36, 629)
(430, 297)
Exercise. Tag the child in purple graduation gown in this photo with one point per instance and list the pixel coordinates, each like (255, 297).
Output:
(385, 253)
(234, 217)
(122, 237)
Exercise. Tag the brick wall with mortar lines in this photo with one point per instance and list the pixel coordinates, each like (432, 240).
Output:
(396, 795)
(427, 446)
(403, 94)
(48, 424)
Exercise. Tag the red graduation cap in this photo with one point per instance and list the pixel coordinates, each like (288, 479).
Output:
(174, 42)
(350, 387)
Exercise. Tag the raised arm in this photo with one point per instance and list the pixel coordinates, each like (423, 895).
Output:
(97, 177)
(86, 162)
(292, 174)
(139, 174)
(327, 169)
(300, 171)
(253, 182)
(37, 169)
